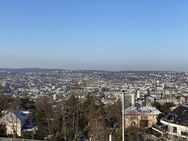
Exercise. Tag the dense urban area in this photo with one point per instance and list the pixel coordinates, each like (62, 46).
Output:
(64, 105)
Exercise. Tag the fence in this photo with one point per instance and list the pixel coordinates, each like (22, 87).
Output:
(16, 139)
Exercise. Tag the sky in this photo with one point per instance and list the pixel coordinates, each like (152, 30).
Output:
(94, 34)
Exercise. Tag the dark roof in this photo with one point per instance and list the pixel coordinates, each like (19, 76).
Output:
(178, 115)
(20, 115)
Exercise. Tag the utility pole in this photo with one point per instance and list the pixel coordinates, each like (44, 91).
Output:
(123, 117)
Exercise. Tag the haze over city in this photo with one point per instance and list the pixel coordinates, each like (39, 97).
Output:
(99, 34)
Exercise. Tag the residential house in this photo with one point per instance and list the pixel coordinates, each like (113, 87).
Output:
(176, 123)
(141, 116)
(17, 122)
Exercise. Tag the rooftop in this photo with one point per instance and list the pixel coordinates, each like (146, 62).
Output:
(147, 110)
(178, 115)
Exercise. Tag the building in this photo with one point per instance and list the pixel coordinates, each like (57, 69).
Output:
(129, 100)
(175, 124)
(138, 94)
(141, 116)
(17, 122)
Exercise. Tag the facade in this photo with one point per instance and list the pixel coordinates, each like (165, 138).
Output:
(175, 124)
(141, 116)
(17, 122)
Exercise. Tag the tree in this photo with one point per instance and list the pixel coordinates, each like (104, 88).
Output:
(3, 104)
(76, 119)
(69, 122)
(43, 116)
(96, 117)
(26, 104)
(71, 119)
(164, 108)
(2, 130)
(159, 118)
(113, 114)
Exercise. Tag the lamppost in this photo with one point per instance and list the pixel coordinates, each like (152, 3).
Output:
(123, 117)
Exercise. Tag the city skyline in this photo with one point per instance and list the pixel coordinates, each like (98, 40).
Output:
(95, 35)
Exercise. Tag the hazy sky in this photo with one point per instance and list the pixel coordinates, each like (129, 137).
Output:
(94, 34)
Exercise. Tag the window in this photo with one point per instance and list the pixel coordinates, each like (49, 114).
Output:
(174, 129)
(171, 117)
(184, 133)
(144, 123)
(144, 117)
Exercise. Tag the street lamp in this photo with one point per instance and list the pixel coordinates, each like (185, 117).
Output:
(123, 118)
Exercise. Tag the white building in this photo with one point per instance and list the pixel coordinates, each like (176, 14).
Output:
(129, 100)
(17, 122)
(176, 123)
(138, 94)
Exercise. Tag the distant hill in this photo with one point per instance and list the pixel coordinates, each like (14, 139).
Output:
(77, 71)
(31, 70)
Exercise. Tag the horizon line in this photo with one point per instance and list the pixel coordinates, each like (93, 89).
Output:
(38, 68)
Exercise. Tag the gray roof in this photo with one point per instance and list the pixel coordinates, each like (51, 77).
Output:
(178, 115)
(142, 110)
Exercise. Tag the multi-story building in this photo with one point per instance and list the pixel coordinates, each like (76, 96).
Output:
(141, 116)
(176, 123)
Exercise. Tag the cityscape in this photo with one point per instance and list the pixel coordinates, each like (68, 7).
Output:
(93, 70)
(155, 102)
